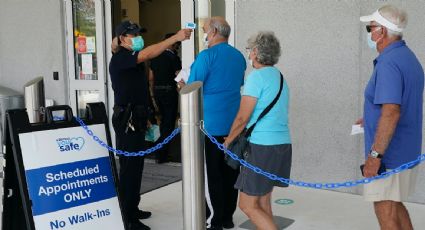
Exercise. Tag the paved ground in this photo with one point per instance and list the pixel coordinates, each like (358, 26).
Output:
(311, 209)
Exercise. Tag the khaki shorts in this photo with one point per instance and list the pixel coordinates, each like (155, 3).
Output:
(397, 187)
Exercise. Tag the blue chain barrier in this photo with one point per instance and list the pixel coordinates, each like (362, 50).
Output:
(257, 170)
(125, 153)
(346, 184)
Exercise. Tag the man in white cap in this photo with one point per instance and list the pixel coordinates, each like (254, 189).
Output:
(392, 117)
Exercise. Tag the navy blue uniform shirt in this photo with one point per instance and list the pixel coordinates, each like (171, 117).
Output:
(128, 78)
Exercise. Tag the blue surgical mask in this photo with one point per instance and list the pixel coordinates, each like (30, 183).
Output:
(370, 42)
(137, 43)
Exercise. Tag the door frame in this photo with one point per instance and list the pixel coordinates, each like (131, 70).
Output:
(101, 50)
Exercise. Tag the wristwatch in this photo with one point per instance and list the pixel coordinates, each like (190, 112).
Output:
(375, 154)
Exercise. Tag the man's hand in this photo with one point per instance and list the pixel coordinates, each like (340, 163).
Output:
(371, 167)
(114, 45)
(226, 142)
(359, 122)
(183, 34)
(180, 85)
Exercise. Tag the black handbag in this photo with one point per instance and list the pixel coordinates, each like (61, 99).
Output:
(239, 145)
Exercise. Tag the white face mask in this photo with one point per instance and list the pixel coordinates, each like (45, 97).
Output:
(205, 40)
(371, 43)
(251, 63)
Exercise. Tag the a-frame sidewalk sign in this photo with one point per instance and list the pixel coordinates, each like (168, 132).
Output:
(57, 176)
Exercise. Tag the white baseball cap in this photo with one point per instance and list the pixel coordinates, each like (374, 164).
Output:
(377, 17)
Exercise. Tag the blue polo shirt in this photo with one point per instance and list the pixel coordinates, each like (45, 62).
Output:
(397, 78)
(221, 68)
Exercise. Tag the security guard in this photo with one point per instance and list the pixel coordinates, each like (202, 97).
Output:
(163, 70)
(129, 120)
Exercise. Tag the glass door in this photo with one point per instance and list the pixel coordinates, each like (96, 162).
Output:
(87, 73)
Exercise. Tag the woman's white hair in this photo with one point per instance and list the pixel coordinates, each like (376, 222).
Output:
(267, 45)
(396, 16)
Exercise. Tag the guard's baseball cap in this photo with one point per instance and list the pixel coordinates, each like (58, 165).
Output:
(128, 27)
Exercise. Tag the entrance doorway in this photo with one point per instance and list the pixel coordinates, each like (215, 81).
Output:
(158, 17)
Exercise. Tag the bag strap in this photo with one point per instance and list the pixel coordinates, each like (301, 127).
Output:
(267, 109)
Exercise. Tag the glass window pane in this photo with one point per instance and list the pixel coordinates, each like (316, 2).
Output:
(84, 21)
(84, 97)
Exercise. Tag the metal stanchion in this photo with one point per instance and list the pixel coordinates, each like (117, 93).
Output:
(192, 139)
(34, 99)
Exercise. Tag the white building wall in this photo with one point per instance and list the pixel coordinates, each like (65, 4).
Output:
(32, 44)
(325, 60)
(327, 64)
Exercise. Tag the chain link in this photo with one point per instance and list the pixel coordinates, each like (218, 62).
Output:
(287, 181)
(125, 153)
(257, 170)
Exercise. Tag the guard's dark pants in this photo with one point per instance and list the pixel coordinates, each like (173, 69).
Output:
(221, 179)
(167, 102)
(130, 170)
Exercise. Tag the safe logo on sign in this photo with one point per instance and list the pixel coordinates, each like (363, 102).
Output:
(67, 144)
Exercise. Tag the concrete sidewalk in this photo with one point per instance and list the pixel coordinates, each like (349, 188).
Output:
(311, 209)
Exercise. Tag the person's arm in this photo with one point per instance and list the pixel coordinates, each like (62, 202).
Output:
(151, 79)
(387, 123)
(390, 114)
(114, 45)
(242, 118)
(156, 49)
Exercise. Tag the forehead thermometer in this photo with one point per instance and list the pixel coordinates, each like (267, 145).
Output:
(190, 25)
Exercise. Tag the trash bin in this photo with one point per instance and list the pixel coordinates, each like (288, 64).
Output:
(34, 99)
(9, 99)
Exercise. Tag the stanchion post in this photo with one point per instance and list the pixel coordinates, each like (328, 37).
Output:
(192, 146)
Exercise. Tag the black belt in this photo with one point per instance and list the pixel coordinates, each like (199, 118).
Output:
(164, 87)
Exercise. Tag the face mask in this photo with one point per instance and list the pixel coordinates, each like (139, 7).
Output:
(251, 63)
(205, 40)
(137, 43)
(370, 42)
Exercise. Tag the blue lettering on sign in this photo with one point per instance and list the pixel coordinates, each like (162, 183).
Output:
(80, 218)
(70, 144)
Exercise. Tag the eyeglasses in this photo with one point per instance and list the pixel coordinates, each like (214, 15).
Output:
(369, 27)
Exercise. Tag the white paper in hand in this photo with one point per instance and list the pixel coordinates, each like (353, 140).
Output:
(183, 75)
(357, 129)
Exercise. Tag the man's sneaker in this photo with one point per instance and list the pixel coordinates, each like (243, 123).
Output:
(228, 224)
(143, 214)
(138, 226)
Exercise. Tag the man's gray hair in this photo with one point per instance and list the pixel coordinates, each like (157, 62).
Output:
(267, 45)
(396, 16)
(221, 25)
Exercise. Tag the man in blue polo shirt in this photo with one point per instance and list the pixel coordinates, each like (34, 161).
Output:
(392, 116)
(221, 68)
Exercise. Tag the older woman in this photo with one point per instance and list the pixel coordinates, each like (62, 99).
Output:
(270, 143)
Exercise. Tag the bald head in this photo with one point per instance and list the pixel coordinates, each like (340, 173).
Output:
(220, 25)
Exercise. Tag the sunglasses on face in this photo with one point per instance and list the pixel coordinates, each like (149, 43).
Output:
(369, 27)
